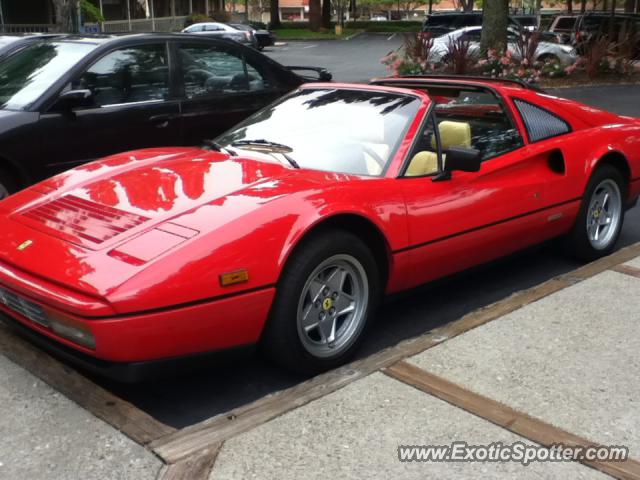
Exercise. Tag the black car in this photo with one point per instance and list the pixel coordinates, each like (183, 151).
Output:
(264, 37)
(441, 23)
(11, 43)
(69, 100)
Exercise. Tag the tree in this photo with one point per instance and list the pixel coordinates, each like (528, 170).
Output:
(315, 15)
(466, 5)
(326, 13)
(66, 12)
(494, 25)
(274, 11)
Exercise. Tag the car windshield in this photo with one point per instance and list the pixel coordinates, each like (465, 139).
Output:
(27, 74)
(336, 130)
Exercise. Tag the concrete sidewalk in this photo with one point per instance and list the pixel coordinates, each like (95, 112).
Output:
(560, 367)
(570, 360)
(45, 436)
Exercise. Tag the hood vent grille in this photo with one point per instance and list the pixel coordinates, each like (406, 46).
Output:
(84, 219)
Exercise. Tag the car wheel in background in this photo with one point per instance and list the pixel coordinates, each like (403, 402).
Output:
(325, 300)
(601, 215)
(7, 184)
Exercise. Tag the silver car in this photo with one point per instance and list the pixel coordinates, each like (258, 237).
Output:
(546, 51)
(223, 30)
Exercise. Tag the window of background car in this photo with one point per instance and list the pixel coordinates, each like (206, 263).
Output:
(565, 23)
(129, 75)
(215, 70)
(28, 73)
(540, 124)
(346, 131)
(194, 28)
(477, 114)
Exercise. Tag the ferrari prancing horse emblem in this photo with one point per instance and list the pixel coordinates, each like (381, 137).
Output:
(25, 245)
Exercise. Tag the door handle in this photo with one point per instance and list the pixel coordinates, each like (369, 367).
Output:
(161, 121)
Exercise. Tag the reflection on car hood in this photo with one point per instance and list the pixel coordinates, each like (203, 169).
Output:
(95, 205)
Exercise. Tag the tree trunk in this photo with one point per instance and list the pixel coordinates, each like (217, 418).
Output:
(569, 6)
(494, 25)
(274, 10)
(326, 13)
(583, 6)
(66, 12)
(467, 5)
(315, 15)
(629, 6)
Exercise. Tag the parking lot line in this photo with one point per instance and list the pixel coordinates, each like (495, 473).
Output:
(517, 422)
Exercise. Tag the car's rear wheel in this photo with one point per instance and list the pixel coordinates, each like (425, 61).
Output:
(601, 215)
(8, 184)
(325, 300)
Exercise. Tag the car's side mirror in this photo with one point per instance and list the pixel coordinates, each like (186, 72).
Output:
(74, 99)
(462, 159)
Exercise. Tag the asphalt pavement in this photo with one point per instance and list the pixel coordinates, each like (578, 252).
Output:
(200, 395)
(354, 60)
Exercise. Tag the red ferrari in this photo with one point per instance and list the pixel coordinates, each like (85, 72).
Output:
(286, 231)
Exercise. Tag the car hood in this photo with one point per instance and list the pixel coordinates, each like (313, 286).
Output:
(87, 221)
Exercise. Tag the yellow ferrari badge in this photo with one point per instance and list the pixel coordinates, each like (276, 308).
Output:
(25, 245)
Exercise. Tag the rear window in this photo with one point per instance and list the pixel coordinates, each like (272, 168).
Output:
(439, 21)
(566, 23)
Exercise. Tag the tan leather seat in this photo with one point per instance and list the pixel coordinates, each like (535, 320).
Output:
(452, 134)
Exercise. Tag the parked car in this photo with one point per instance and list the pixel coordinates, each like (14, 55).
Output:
(72, 99)
(291, 227)
(264, 38)
(441, 23)
(379, 18)
(222, 30)
(546, 51)
(527, 22)
(12, 42)
(625, 27)
(564, 24)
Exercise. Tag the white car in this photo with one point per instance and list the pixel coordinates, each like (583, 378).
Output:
(546, 51)
(223, 30)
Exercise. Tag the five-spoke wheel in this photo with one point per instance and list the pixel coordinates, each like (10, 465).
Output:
(601, 215)
(325, 299)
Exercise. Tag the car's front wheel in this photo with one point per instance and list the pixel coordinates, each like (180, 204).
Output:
(601, 215)
(326, 297)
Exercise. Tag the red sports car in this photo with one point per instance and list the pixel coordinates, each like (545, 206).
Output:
(287, 230)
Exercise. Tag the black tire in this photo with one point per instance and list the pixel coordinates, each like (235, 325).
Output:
(8, 184)
(281, 340)
(578, 243)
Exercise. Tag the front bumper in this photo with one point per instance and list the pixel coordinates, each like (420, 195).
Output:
(129, 342)
(125, 372)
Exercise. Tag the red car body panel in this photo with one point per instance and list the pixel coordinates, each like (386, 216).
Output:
(132, 247)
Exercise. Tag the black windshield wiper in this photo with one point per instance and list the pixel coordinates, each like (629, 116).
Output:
(212, 145)
(262, 145)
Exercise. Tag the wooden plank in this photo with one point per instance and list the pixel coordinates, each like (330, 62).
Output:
(185, 442)
(506, 417)
(133, 422)
(196, 467)
(627, 270)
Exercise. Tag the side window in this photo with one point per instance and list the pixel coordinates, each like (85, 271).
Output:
(471, 36)
(208, 71)
(128, 75)
(476, 119)
(540, 123)
(424, 156)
